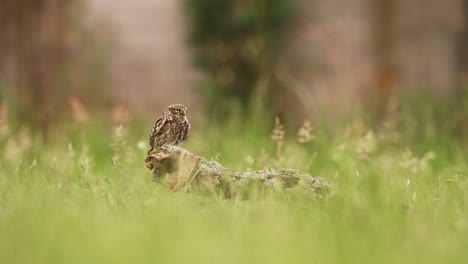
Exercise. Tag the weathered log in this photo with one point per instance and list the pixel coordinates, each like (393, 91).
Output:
(180, 169)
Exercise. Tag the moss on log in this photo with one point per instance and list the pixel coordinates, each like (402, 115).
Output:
(180, 169)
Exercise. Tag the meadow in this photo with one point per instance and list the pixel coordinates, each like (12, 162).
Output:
(398, 194)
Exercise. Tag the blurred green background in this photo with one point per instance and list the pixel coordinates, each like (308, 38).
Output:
(373, 96)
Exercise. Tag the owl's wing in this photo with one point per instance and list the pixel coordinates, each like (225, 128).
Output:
(156, 131)
(187, 131)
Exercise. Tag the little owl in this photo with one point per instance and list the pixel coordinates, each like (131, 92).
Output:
(171, 128)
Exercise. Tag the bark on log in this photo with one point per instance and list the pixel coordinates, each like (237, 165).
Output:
(180, 169)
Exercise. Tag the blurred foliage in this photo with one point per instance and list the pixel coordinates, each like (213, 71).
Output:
(236, 43)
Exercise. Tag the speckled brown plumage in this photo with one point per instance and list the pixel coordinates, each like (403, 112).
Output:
(171, 128)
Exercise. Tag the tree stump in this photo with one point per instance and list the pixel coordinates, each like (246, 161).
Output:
(180, 169)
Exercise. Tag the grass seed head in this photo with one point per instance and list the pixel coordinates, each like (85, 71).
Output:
(304, 135)
(278, 136)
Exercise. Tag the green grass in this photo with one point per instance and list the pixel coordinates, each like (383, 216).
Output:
(86, 197)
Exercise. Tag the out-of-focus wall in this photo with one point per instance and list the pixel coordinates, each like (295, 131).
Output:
(329, 59)
(340, 52)
(427, 32)
(150, 63)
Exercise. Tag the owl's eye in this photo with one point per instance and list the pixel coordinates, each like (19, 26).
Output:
(177, 110)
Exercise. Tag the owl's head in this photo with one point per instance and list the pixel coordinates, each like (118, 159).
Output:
(177, 110)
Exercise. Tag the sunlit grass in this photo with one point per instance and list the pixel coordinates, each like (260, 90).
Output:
(87, 197)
